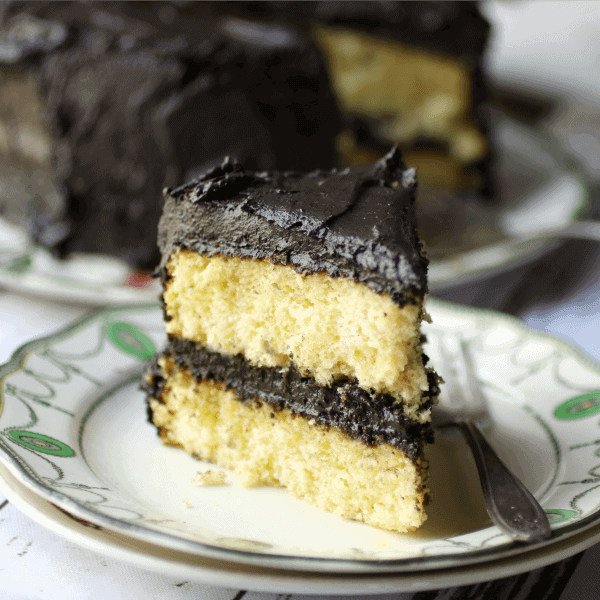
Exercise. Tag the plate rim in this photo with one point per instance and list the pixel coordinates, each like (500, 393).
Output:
(263, 579)
(67, 287)
(300, 563)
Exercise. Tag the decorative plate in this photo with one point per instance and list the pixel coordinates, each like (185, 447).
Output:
(73, 429)
(195, 568)
(93, 279)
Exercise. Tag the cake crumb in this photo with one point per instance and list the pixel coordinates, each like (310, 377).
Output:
(210, 477)
(187, 504)
(381, 542)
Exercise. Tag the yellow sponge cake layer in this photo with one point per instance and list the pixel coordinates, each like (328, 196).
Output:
(330, 328)
(419, 93)
(377, 485)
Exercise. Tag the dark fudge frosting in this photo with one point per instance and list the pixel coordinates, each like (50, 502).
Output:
(358, 222)
(372, 418)
(140, 96)
(451, 27)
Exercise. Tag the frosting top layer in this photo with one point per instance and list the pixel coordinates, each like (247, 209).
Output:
(358, 222)
(450, 27)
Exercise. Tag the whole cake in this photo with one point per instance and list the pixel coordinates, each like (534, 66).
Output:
(293, 304)
(102, 104)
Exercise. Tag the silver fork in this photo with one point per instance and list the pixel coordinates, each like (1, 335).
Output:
(510, 505)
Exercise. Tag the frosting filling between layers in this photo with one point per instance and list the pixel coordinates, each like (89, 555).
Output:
(379, 485)
(372, 418)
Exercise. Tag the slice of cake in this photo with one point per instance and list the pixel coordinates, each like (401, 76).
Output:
(293, 305)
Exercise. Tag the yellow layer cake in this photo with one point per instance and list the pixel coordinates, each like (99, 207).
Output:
(293, 305)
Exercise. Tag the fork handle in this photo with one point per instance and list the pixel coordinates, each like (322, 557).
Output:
(510, 505)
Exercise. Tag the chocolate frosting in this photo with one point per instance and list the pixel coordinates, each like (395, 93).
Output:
(451, 27)
(372, 418)
(140, 96)
(358, 222)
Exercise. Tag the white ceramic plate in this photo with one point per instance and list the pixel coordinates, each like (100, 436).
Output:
(73, 429)
(195, 568)
(467, 240)
(92, 279)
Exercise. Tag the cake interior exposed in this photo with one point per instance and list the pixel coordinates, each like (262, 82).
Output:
(293, 306)
(377, 485)
(336, 333)
(329, 328)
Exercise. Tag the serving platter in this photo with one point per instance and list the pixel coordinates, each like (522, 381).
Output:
(194, 568)
(91, 279)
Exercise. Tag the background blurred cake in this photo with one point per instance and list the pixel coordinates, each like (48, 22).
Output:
(407, 73)
(102, 105)
(411, 73)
